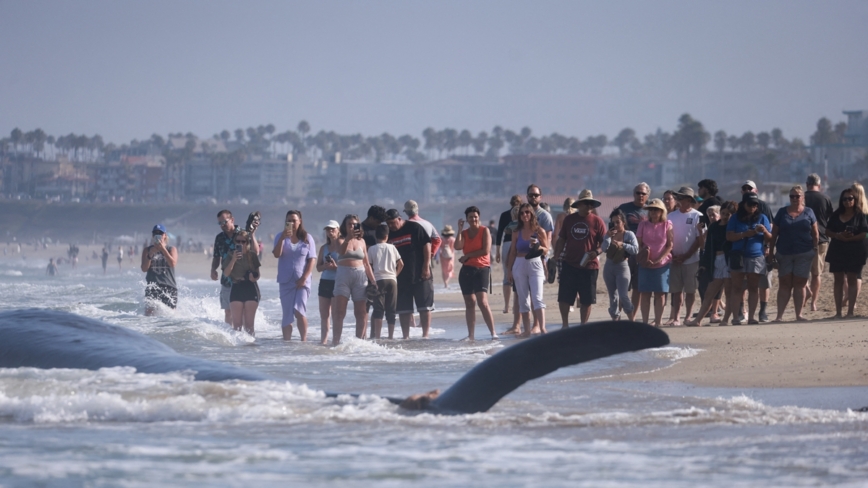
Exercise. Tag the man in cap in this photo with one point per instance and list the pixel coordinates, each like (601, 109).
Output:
(579, 242)
(817, 201)
(636, 213)
(687, 239)
(415, 283)
(765, 282)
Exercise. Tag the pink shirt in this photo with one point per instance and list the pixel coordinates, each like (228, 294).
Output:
(654, 236)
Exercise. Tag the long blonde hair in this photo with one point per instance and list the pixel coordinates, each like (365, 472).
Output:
(861, 201)
(568, 205)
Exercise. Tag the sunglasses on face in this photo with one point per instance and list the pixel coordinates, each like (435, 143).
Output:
(533, 195)
(639, 193)
(224, 222)
(849, 199)
(794, 197)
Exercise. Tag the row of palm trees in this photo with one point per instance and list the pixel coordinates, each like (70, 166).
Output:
(689, 142)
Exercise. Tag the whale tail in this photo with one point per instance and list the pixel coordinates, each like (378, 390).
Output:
(497, 376)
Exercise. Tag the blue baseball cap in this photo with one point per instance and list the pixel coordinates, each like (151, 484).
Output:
(159, 228)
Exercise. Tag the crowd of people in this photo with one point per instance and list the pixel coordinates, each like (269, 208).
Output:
(657, 251)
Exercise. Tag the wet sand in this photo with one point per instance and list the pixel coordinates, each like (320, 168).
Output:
(820, 352)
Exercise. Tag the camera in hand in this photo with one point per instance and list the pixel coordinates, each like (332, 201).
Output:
(357, 226)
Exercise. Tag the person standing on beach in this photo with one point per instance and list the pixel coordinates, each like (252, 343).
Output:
(635, 213)
(475, 274)
(104, 256)
(327, 264)
(748, 232)
(579, 244)
(527, 271)
(848, 229)
(353, 275)
(415, 283)
(159, 261)
(51, 269)
(687, 239)
(796, 239)
(765, 279)
(242, 267)
(821, 204)
(502, 241)
(386, 264)
(295, 251)
(655, 245)
(447, 254)
(224, 248)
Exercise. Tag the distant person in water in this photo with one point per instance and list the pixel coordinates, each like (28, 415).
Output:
(51, 270)
(159, 261)
(104, 256)
(120, 256)
(447, 254)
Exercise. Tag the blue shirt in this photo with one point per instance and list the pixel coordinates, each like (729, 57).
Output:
(751, 247)
(794, 234)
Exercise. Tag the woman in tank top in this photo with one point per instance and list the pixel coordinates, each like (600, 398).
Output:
(475, 275)
(352, 277)
(528, 274)
(327, 264)
(159, 261)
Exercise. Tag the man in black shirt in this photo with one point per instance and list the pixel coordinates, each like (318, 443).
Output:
(636, 213)
(415, 283)
(822, 207)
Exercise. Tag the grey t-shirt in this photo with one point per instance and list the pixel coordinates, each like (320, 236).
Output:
(545, 219)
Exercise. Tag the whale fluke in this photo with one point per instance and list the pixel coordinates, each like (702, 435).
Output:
(497, 376)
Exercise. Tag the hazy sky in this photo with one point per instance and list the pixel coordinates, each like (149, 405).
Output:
(127, 69)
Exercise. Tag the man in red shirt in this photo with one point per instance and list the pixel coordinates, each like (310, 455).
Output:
(578, 245)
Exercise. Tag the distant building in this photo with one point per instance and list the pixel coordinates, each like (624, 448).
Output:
(847, 159)
(562, 174)
(131, 179)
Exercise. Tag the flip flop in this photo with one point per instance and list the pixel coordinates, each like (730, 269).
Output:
(533, 254)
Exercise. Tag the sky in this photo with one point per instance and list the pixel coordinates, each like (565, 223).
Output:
(128, 69)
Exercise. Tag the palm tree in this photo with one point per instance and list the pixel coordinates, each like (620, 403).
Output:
(764, 139)
(624, 139)
(720, 142)
(824, 134)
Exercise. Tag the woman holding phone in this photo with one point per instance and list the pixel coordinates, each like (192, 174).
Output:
(295, 251)
(351, 279)
(327, 264)
(243, 269)
(847, 229)
(529, 242)
(159, 261)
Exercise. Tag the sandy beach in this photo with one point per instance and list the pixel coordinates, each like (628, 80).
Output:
(821, 352)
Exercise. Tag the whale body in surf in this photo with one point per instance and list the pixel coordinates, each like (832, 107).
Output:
(52, 339)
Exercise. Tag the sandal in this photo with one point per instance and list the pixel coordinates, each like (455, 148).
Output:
(253, 221)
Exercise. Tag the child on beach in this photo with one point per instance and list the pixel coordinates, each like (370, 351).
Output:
(386, 264)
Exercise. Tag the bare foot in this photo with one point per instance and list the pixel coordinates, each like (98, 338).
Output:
(801, 319)
(671, 322)
(494, 337)
(505, 310)
(511, 331)
(813, 307)
(715, 319)
(535, 330)
(777, 320)
(693, 323)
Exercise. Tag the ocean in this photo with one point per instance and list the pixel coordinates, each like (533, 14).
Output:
(595, 424)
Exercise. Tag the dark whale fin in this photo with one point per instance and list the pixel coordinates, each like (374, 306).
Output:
(497, 376)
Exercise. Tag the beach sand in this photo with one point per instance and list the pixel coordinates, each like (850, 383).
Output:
(820, 352)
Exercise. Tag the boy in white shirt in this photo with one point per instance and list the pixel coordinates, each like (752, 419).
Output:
(387, 265)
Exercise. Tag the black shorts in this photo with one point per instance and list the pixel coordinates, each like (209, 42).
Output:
(162, 293)
(244, 291)
(386, 302)
(421, 292)
(473, 279)
(326, 288)
(578, 281)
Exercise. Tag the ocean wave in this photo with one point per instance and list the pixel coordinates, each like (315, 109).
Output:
(58, 396)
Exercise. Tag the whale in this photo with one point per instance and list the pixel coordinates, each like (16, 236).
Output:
(48, 339)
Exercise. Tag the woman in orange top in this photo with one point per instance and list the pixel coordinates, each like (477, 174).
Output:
(475, 275)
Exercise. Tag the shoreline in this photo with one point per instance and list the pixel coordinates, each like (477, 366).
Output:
(818, 353)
